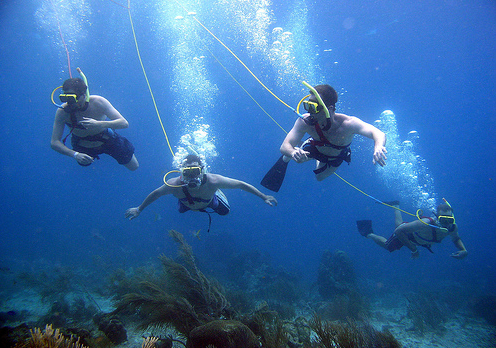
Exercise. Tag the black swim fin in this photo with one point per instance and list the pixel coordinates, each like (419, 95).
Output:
(365, 227)
(275, 176)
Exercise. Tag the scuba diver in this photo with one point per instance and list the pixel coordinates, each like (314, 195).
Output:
(423, 232)
(91, 121)
(330, 133)
(198, 191)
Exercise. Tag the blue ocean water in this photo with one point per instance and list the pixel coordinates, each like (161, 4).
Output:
(432, 63)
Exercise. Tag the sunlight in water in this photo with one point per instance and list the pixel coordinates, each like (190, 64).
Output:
(200, 141)
(195, 93)
(283, 51)
(406, 172)
(74, 19)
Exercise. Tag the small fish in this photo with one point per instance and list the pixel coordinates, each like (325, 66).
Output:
(196, 234)
(97, 235)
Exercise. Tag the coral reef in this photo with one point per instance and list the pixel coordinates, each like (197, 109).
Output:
(427, 311)
(11, 336)
(485, 307)
(350, 335)
(336, 283)
(149, 342)
(222, 334)
(112, 327)
(49, 338)
(350, 305)
(266, 324)
(52, 284)
(336, 274)
(185, 299)
(253, 278)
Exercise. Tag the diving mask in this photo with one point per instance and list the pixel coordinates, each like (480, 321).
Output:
(312, 107)
(191, 172)
(446, 220)
(69, 98)
(192, 176)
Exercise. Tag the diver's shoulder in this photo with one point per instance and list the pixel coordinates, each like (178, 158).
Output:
(212, 177)
(96, 99)
(346, 118)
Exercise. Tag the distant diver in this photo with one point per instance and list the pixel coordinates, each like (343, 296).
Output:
(419, 233)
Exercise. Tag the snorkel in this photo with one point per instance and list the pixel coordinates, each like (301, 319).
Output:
(83, 76)
(85, 80)
(319, 100)
(451, 225)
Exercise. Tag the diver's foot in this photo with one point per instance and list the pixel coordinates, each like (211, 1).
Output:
(286, 158)
(364, 227)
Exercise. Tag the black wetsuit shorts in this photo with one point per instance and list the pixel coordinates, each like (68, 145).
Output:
(114, 145)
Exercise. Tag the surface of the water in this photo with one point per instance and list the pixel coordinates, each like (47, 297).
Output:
(431, 62)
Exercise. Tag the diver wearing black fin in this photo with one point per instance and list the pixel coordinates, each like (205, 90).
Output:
(423, 232)
(275, 176)
(364, 227)
(330, 133)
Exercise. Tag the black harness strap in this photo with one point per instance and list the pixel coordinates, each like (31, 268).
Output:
(73, 125)
(324, 141)
(188, 195)
(72, 112)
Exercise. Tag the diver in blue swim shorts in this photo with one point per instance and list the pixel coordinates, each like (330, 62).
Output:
(92, 121)
(198, 191)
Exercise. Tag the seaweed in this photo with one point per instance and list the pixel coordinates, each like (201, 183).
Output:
(350, 334)
(349, 305)
(336, 274)
(184, 299)
(49, 338)
(51, 284)
(267, 325)
(427, 311)
(485, 307)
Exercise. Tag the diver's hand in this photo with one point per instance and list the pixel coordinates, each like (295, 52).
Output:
(132, 213)
(300, 156)
(380, 156)
(83, 158)
(459, 254)
(270, 200)
(92, 124)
